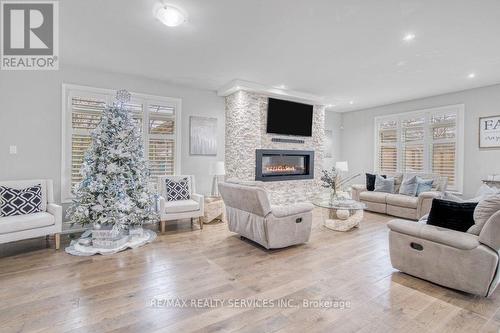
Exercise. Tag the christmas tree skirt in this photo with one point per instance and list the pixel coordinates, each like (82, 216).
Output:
(77, 249)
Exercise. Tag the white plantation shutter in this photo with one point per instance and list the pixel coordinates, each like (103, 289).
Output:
(161, 157)
(413, 158)
(412, 145)
(425, 141)
(444, 161)
(387, 159)
(156, 118)
(161, 140)
(79, 145)
(85, 116)
(444, 146)
(136, 107)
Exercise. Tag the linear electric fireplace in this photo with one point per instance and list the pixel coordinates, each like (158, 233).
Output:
(276, 165)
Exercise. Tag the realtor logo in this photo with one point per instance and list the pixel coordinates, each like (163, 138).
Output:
(29, 35)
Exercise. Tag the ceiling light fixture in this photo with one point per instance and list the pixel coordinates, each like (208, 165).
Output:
(351, 102)
(409, 37)
(282, 86)
(171, 16)
(471, 75)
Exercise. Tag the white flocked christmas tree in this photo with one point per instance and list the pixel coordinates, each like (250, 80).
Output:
(114, 188)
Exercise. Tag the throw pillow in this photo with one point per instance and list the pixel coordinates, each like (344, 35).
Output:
(370, 181)
(452, 197)
(398, 179)
(452, 215)
(485, 190)
(484, 210)
(20, 202)
(424, 185)
(409, 186)
(384, 184)
(177, 190)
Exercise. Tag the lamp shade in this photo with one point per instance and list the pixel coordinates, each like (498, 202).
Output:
(217, 168)
(342, 166)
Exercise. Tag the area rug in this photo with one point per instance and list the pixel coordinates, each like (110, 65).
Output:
(77, 249)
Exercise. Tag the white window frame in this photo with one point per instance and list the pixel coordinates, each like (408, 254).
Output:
(459, 140)
(69, 89)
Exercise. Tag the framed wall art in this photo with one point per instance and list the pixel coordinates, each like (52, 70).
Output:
(203, 136)
(489, 132)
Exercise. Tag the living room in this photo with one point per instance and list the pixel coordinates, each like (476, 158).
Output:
(249, 166)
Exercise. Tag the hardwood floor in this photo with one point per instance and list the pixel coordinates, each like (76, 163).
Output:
(50, 291)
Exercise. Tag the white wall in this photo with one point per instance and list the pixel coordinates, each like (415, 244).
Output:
(334, 123)
(358, 134)
(30, 117)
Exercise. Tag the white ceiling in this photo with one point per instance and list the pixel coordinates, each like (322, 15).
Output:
(340, 49)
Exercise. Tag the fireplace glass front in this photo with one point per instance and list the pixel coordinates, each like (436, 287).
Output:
(273, 165)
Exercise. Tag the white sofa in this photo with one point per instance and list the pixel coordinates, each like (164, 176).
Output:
(181, 209)
(400, 205)
(46, 222)
(249, 213)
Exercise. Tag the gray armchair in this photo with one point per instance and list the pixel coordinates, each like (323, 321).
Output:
(250, 214)
(458, 260)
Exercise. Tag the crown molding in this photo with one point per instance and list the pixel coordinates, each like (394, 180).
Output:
(296, 96)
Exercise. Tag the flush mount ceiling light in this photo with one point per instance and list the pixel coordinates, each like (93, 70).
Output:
(471, 75)
(171, 16)
(409, 37)
(351, 102)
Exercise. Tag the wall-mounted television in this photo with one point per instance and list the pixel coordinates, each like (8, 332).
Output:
(289, 118)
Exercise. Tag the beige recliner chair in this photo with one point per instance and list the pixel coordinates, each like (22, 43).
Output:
(250, 214)
(458, 260)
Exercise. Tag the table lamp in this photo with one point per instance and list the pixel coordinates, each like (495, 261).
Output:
(342, 166)
(217, 169)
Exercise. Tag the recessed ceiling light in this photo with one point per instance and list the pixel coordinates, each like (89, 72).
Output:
(471, 75)
(409, 37)
(331, 105)
(282, 86)
(171, 16)
(351, 102)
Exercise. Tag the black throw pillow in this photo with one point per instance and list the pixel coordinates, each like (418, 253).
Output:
(452, 215)
(370, 181)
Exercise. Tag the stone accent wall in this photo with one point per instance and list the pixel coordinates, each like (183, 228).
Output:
(246, 123)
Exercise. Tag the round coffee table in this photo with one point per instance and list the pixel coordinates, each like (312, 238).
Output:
(343, 214)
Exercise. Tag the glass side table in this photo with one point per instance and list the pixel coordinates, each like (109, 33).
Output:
(343, 215)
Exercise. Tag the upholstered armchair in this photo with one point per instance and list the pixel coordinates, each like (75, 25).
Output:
(46, 222)
(169, 209)
(249, 213)
(466, 261)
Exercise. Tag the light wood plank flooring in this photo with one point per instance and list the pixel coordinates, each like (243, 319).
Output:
(43, 290)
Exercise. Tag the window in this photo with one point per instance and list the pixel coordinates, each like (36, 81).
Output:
(157, 118)
(426, 141)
